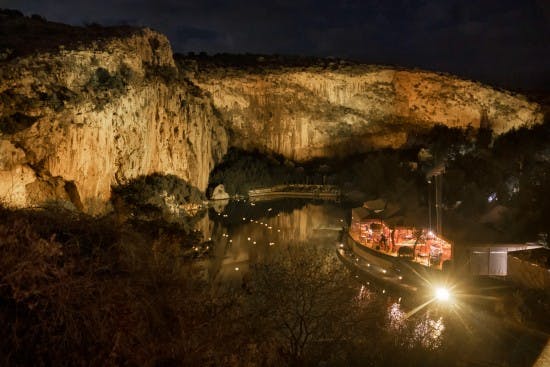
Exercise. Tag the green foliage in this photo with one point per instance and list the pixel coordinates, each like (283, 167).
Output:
(16, 122)
(375, 173)
(103, 80)
(154, 195)
(520, 156)
(14, 116)
(104, 86)
(167, 73)
(257, 63)
(241, 171)
(444, 142)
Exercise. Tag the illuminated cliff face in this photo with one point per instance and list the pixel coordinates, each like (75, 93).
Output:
(75, 122)
(100, 117)
(307, 112)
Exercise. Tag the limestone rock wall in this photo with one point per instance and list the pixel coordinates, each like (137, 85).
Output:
(76, 122)
(307, 112)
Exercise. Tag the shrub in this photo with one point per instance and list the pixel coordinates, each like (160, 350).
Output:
(78, 290)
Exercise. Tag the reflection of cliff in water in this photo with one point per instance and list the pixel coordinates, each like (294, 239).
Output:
(245, 232)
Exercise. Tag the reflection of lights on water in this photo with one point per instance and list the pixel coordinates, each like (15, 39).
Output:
(424, 330)
(429, 332)
(363, 293)
(396, 316)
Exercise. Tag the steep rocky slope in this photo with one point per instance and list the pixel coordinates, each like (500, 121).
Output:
(75, 122)
(79, 117)
(307, 112)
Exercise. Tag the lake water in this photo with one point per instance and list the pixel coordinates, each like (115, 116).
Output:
(242, 232)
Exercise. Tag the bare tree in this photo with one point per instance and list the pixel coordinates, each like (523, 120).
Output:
(303, 300)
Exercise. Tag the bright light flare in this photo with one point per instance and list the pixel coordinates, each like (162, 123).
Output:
(442, 294)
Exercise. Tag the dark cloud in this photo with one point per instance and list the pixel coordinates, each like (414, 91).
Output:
(504, 42)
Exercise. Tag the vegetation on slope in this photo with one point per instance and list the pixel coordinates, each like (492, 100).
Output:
(481, 173)
(21, 35)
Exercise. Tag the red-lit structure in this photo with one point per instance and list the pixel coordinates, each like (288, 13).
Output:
(414, 244)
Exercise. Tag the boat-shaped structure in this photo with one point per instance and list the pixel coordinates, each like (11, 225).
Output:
(404, 258)
(414, 259)
(418, 246)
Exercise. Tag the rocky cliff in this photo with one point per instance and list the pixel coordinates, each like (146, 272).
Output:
(75, 122)
(77, 119)
(315, 111)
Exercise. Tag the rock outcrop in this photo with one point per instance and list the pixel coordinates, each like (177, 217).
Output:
(308, 112)
(77, 120)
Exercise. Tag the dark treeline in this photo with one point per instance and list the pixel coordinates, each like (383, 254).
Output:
(259, 62)
(511, 171)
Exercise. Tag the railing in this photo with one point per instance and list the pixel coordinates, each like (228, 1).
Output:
(313, 191)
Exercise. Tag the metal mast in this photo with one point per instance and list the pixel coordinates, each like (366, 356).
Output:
(434, 175)
(438, 196)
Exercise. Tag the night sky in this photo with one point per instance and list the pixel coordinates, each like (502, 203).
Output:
(501, 42)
